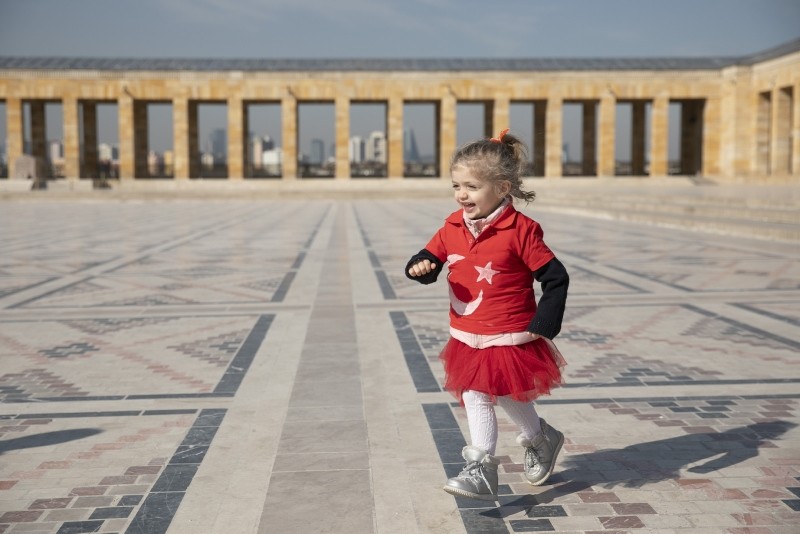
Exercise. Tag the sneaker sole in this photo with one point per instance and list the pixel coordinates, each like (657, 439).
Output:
(469, 495)
(552, 463)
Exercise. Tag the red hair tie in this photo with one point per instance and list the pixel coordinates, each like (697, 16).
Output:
(499, 138)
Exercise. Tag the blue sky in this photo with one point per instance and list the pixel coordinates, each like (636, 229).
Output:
(392, 28)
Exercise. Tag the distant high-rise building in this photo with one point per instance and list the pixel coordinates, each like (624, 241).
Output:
(56, 151)
(356, 149)
(317, 151)
(104, 152)
(272, 160)
(410, 150)
(219, 145)
(256, 151)
(376, 147)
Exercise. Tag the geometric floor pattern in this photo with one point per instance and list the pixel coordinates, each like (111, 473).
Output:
(265, 366)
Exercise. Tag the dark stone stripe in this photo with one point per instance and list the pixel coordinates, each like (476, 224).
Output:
(178, 396)
(79, 527)
(29, 286)
(283, 288)
(375, 262)
(417, 364)
(386, 286)
(48, 293)
(771, 315)
(298, 261)
(161, 504)
(234, 374)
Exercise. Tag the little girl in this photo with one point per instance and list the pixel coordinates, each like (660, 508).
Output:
(500, 349)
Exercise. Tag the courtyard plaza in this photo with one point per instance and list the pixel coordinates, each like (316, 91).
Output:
(203, 363)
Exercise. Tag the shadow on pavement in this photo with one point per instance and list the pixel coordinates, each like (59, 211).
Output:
(47, 438)
(655, 461)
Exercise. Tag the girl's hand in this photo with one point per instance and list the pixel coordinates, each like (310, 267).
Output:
(421, 268)
(534, 337)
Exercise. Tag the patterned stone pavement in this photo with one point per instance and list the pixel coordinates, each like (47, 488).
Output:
(264, 366)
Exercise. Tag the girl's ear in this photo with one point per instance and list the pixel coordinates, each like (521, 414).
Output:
(504, 187)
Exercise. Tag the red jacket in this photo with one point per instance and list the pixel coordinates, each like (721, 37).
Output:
(491, 276)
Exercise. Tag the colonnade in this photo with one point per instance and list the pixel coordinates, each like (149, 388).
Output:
(597, 150)
(736, 120)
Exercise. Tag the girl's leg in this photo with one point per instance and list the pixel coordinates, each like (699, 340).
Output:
(523, 414)
(482, 420)
(541, 441)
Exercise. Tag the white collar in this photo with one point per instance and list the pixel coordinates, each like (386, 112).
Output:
(476, 226)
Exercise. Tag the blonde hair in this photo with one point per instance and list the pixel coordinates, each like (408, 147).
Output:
(496, 160)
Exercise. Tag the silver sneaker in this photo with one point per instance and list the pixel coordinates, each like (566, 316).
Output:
(541, 453)
(478, 479)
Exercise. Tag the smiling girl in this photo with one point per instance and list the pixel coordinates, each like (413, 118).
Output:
(500, 350)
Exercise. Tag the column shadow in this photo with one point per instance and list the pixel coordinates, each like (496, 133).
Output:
(46, 438)
(637, 465)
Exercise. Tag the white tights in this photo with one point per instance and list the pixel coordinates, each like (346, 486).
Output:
(483, 421)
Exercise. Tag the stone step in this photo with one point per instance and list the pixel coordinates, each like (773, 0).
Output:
(681, 206)
(740, 226)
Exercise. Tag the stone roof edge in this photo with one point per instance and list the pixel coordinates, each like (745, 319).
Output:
(392, 64)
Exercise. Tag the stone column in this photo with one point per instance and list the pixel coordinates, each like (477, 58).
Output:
(140, 139)
(539, 137)
(763, 132)
(781, 130)
(180, 138)
(589, 138)
(710, 136)
(501, 112)
(555, 138)
(394, 125)
(638, 135)
(659, 136)
(606, 160)
(289, 136)
(126, 137)
(38, 130)
(236, 138)
(71, 132)
(14, 132)
(342, 171)
(89, 166)
(447, 133)
(796, 130)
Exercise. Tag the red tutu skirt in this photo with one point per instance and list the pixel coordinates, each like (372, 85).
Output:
(523, 372)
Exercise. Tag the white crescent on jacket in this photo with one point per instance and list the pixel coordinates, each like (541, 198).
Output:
(464, 308)
(460, 307)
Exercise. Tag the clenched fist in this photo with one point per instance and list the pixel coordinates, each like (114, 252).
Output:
(422, 268)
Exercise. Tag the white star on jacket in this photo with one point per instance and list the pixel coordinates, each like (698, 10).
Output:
(486, 273)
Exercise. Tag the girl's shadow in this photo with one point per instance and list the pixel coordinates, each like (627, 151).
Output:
(653, 461)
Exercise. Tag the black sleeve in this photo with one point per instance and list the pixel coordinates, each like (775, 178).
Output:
(550, 311)
(429, 278)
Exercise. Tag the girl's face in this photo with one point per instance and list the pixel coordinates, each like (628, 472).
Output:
(477, 197)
